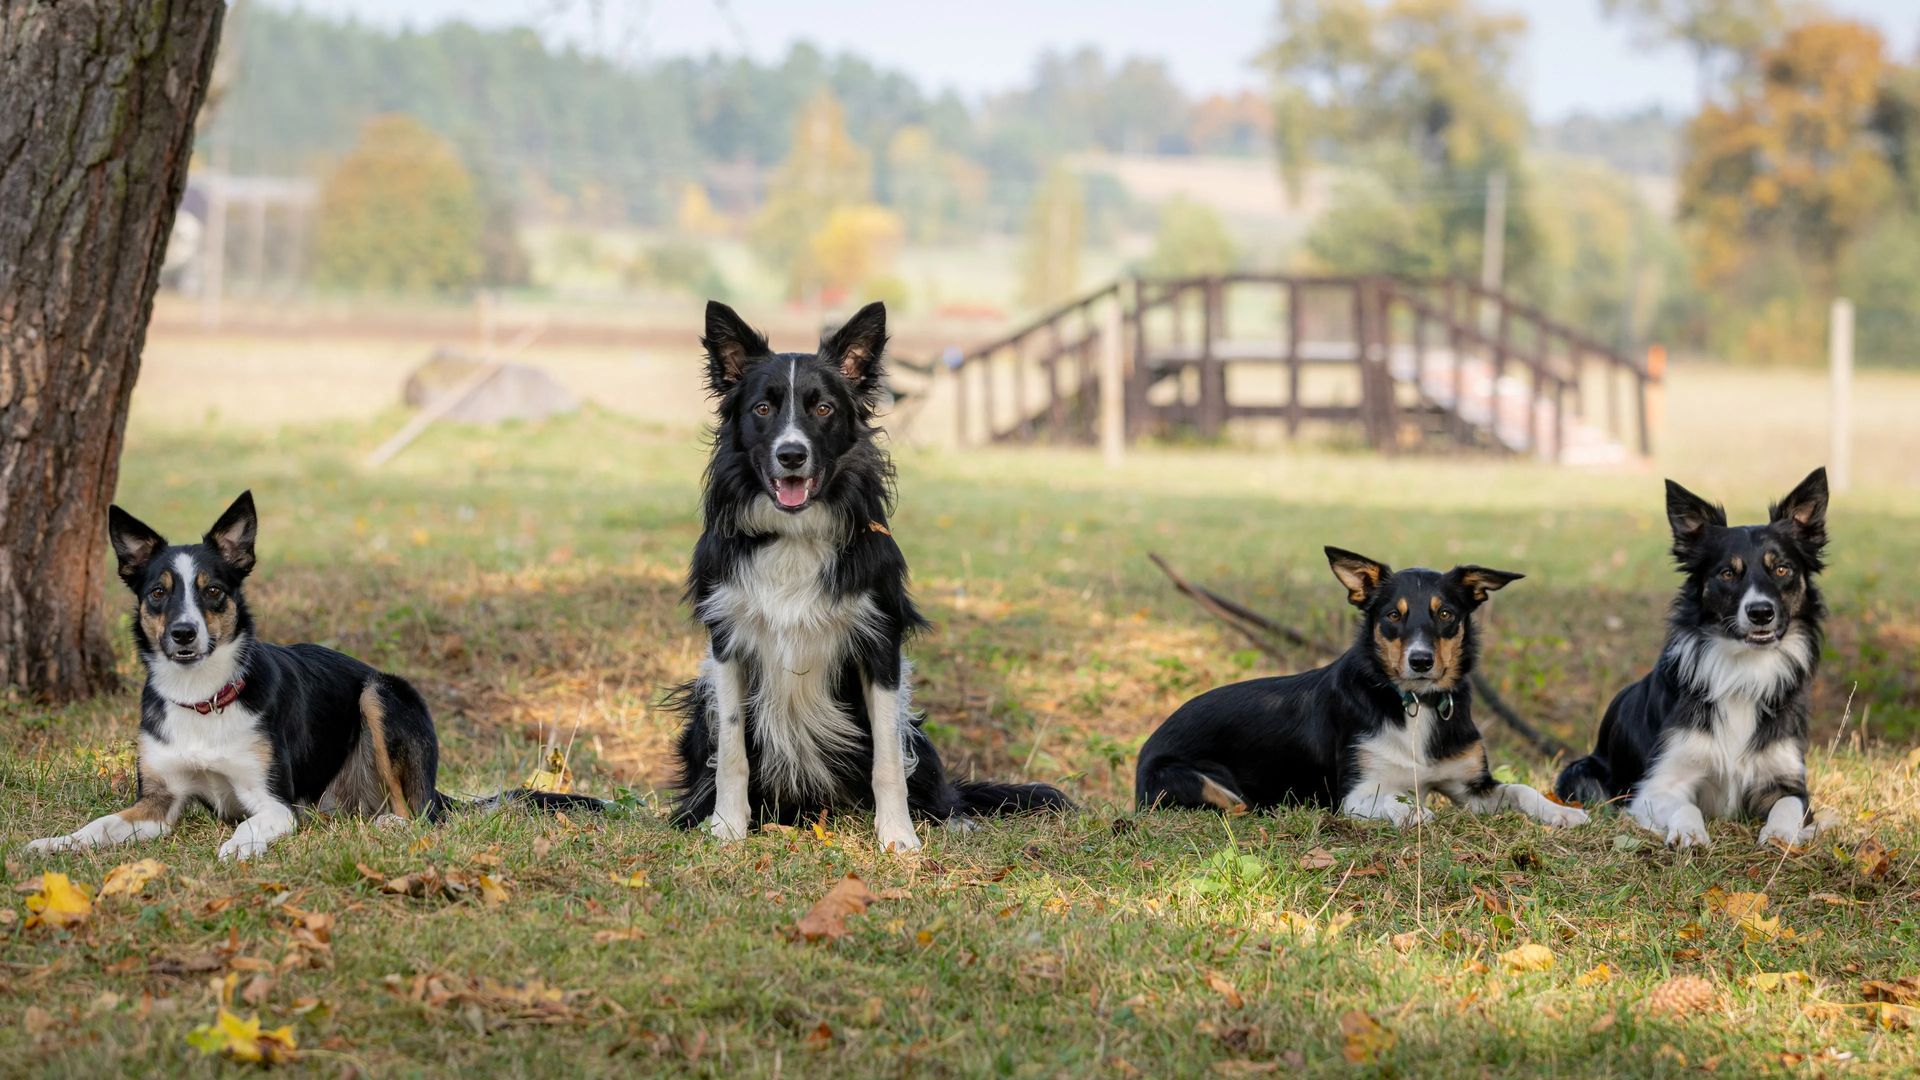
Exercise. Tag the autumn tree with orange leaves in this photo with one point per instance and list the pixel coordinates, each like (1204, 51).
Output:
(1784, 173)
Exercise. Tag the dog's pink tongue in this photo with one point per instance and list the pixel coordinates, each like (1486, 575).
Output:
(792, 490)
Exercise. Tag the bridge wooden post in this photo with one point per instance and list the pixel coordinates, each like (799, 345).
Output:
(1296, 325)
(1213, 380)
(1138, 378)
(1114, 397)
(960, 417)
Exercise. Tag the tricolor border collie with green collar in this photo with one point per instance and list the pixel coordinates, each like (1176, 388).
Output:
(804, 701)
(1370, 734)
(1719, 727)
(254, 731)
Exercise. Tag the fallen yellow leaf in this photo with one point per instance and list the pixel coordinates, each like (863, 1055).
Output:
(129, 879)
(243, 1040)
(1594, 976)
(1528, 957)
(59, 903)
(1363, 1040)
(1768, 981)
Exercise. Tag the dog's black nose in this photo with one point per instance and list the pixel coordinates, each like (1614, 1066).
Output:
(791, 455)
(1760, 614)
(1420, 660)
(182, 633)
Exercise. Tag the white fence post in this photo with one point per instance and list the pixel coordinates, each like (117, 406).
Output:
(1840, 355)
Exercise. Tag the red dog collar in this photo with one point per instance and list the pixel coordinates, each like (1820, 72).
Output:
(218, 703)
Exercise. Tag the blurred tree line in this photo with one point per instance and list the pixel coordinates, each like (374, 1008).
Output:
(1799, 179)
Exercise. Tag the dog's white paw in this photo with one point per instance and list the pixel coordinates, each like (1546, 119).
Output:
(1555, 816)
(1407, 816)
(1686, 830)
(896, 836)
(51, 843)
(960, 823)
(390, 821)
(242, 848)
(726, 829)
(1791, 835)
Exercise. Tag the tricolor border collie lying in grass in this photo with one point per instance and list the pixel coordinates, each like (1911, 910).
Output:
(804, 700)
(1372, 733)
(1719, 728)
(252, 730)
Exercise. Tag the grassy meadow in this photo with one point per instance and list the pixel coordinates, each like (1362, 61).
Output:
(527, 579)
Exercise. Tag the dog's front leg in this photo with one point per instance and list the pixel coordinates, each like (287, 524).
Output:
(268, 819)
(1488, 796)
(731, 814)
(149, 818)
(892, 823)
(1672, 815)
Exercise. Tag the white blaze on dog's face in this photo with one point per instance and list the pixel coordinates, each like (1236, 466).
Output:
(187, 596)
(795, 415)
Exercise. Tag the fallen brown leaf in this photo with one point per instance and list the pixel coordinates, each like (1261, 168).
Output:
(828, 918)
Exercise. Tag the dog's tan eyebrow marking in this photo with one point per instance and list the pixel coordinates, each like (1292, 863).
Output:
(1403, 605)
(1434, 605)
(166, 578)
(1739, 564)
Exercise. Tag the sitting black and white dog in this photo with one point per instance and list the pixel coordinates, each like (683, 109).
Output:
(252, 730)
(804, 700)
(1372, 733)
(1719, 728)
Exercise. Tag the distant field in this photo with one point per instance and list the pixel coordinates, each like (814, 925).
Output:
(527, 578)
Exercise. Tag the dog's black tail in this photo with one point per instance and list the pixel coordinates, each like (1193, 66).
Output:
(547, 801)
(984, 798)
(1587, 781)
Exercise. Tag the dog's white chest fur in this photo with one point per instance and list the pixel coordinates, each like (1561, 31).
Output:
(211, 756)
(1720, 766)
(794, 635)
(1395, 759)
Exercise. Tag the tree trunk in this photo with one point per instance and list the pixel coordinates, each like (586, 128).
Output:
(97, 104)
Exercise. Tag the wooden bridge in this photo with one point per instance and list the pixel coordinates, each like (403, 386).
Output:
(1406, 365)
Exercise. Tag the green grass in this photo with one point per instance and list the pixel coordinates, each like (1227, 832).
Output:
(527, 579)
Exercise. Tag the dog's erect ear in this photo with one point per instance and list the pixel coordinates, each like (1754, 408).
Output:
(1803, 513)
(232, 536)
(1690, 516)
(1362, 576)
(856, 347)
(134, 544)
(730, 343)
(1479, 581)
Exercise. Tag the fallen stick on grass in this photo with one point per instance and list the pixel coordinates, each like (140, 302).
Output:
(1251, 624)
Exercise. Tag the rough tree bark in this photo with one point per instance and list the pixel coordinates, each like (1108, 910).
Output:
(97, 106)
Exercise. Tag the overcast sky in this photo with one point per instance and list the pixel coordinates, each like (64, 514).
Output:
(1573, 59)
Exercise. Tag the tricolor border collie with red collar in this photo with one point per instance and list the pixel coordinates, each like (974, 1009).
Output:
(251, 730)
(1719, 728)
(804, 701)
(1370, 734)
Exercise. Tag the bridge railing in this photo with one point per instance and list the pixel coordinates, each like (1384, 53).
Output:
(1180, 336)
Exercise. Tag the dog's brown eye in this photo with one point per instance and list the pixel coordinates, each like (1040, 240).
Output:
(763, 409)
(1781, 571)
(1727, 574)
(215, 592)
(823, 409)
(1393, 616)
(1445, 615)
(157, 595)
